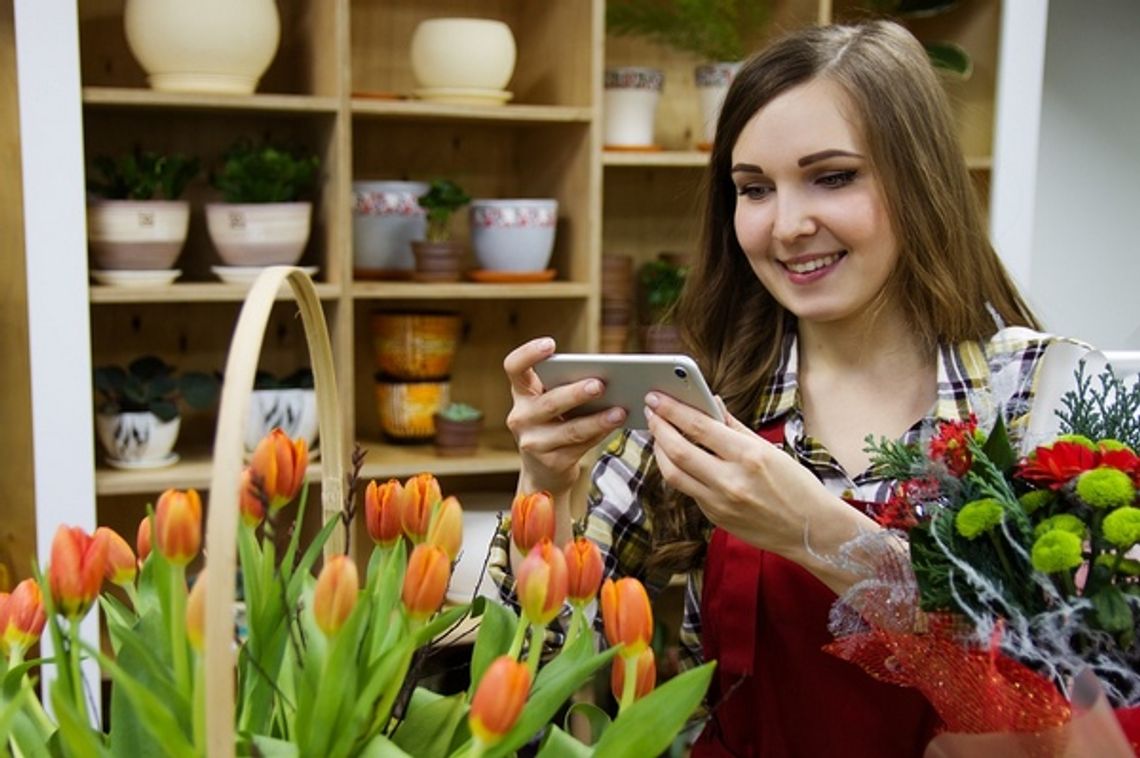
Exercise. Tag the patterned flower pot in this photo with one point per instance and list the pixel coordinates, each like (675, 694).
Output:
(137, 439)
(407, 409)
(415, 345)
(513, 235)
(630, 106)
(386, 218)
(712, 84)
(294, 410)
(136, 235)
(259, 234)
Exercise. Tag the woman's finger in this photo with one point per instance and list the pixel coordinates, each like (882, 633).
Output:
(574, 437)
(675, 476)
(731, 421)
(519, 365)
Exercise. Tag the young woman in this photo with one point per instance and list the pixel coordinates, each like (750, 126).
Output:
(846, 288)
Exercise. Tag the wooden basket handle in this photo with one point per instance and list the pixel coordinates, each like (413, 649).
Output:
(225, 477)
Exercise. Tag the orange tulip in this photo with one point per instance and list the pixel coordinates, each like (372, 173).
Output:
(75, 575)
(584, 570)
(383, 509)
(338, 586)
(121, 565)
(251, 500)
(196, 613)
(425, 582)
(532, 519)
(278, 467)
(627, 615)
(3, 623)
(446, 530)
(646, 675)
(178, 525)
(541, 583)
(22, 616)
(142, 539)
(499, 699)
(421, 493)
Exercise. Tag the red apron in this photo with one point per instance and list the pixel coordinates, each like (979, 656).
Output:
(775, 692)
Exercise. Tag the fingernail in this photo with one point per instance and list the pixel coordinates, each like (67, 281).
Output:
(652, 400)
(648, 413)
(546, 344)
(593, 387)
(615, 415)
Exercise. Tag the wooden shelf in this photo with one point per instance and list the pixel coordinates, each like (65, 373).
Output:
(979, 162)
(419, 110)
(660, 159)
(193, 470)
(469, 291)
(135, 98)
(383, 460)
(191, 292)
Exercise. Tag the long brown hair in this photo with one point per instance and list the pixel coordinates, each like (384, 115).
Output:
(948, 276)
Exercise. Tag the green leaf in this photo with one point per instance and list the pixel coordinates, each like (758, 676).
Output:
(427, 729)
(496, 628)
(337, 687)
(381, 747)
(950, 59)
(76, 737)
(559, 744)
(440, 624)
(998, 448)
(598, 719)
(268, 747)
(1113, 614)
(648, 726)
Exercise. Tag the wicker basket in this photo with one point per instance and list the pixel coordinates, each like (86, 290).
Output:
(221, 529)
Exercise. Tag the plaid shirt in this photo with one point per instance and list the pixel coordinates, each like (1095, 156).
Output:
(984, 379)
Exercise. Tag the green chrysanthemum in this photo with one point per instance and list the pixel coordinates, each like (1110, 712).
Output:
(978, 517)
(1035, 500)
(1066, 522)
(1127, 567)
(1105, 487)
(1056, 551)
(1122, 527)
(1112, 446)
(1078, 439)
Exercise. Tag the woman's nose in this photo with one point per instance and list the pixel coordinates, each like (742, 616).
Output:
(794, 218)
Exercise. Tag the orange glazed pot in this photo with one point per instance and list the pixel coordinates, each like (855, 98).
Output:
(415, 345)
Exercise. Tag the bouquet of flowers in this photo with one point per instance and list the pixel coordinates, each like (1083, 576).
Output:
(327, 660)
(1015, 606)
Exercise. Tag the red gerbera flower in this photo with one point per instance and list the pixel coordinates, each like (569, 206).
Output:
(1055, 465)
(950, 445)
(896, 513)
(1124, 460)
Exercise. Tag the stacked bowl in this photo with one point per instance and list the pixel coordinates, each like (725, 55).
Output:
(414, 354)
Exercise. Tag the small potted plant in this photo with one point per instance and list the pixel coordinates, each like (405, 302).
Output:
(457, 427)
(262, 220)
(438, 257)
(288, 402)
(661, 282)
(138, 418)
(135, 219)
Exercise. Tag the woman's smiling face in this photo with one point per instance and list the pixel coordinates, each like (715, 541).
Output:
(810, 214)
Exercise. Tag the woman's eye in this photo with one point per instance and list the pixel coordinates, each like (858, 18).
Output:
(837, 178)
(753, 191)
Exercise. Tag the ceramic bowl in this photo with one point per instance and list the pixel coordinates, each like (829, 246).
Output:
(415, 345)
(406, 409)
(293, 410)
(513, 235)
(385, 220)
(463, 53)
(259, 234)
(136, 235)
(137, 437)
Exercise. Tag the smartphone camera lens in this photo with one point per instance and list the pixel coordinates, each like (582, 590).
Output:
(680, 373)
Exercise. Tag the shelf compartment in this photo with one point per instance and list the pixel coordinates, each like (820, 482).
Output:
(496, 454)
(418, 110)
(136, 98)
(192, 292)
(469, 291)
(660, 159)
(192, 471)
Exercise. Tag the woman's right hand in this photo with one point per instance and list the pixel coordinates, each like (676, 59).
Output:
(552, 446)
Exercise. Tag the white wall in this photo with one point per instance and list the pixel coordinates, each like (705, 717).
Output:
(1085, 271)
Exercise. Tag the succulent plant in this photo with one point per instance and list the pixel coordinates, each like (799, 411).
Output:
(460, 412)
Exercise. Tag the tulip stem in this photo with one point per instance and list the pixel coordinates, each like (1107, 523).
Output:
(476, 750)
(629, 686)
(76, 673)
(520, 635)
(133, 596)
(178, 627)
(198, 705)
(534, 654)
(575, 626)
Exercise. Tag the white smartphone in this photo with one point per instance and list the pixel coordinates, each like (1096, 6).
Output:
(628, 377)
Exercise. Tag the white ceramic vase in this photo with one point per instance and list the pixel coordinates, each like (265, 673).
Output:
(713, 80)
(386, 218)
(215, 46)
(463, 53)
(294, 410)
(137, 439)
(630, 106)
(259, 234)
(136, 235)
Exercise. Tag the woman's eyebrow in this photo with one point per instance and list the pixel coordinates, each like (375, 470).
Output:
(807, 160)
(746, 168)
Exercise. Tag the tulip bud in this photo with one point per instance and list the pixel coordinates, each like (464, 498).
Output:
(446, 530)
(584, 570)
(383, 509)
(335, 596)
(541, 583)
(421, 493)
(3, 623)
(121, 565)
(627, 615)
(75, 575)
(142, 538)
(21, 616)
(196, 613)
(178, 525)
(499, 699)
(425, 581)
(251, 500)
(278, 467)
(532, 520)
(646, 675)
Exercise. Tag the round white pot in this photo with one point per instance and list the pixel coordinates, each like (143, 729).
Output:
(259, 234)
(466, 53)
(136, 234)
(713, 80)
(204, 46)
(385, 220)
(513, 235)
(293, 410)
(137, 439)
(630, 105)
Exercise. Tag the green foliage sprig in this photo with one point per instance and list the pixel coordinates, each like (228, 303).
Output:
(661, 284)
(443, 198)
(716, 30)
(1111, 411)
(302, 379)
(265, 173)
(143, 175)
(150, 384)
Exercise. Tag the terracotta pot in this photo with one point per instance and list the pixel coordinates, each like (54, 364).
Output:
(407, 409)
(437, 261)
(456, 438)
(415, 345)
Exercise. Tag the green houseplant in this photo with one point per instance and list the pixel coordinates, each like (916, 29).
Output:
(135, 218)
(262, 219)
(138, 417)
(660, 282)
(438, 257)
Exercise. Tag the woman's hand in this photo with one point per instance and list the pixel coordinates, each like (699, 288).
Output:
(551, 446)
(750, 487)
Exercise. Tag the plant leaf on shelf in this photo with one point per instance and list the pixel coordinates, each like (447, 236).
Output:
(950, 59)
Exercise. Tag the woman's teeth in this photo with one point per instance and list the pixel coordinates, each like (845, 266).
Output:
(815, 263)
